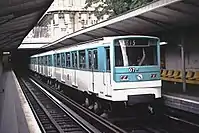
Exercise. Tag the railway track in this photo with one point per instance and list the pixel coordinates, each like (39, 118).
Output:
(54, 116)
(130, 126)
(166, 124)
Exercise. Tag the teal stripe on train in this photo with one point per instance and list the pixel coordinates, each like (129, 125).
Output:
(137, 69)
(145, 71)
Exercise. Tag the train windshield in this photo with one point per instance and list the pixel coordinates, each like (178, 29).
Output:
(135, 52)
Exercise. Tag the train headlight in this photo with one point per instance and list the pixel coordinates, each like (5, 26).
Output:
(139, 77)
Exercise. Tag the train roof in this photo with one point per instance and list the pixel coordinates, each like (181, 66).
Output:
(43, 54)
(116, 37)
(96, 41)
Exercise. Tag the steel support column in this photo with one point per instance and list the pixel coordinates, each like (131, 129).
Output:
(183, 64)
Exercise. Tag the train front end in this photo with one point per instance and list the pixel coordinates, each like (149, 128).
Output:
(136, 69)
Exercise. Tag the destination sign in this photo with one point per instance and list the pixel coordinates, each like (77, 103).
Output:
(132, 42)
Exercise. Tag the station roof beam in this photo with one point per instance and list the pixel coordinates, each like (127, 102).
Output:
(160, 15)
(17, 18)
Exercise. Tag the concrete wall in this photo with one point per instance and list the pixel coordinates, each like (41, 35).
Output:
(1, 71)
(1, 66)
(173, 54)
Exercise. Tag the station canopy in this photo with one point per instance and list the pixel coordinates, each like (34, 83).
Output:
(17, 18)
(157, 16)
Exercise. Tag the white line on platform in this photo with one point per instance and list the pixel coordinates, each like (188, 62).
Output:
(182, 99)
(31, 121)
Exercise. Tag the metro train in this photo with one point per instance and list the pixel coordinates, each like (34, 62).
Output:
(114, 70)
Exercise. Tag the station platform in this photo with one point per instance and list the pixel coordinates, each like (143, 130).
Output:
(187, 101)
(15, 113)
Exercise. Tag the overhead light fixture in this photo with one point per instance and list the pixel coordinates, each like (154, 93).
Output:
(6, 53)
(163, 43)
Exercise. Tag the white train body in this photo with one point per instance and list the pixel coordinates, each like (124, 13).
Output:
(91, 68)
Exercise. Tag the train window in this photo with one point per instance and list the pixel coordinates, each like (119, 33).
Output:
(90, 59)
(138, 52)
(39, 60)
(108, 59)
(74, 59)
(49, 60)
(95, 59)
(62, 60)
(58, 60)
(46, 61)
(42, 60)
(67, 59)
(82, 59)
(55, 60)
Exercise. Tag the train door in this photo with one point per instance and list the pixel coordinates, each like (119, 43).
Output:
(74, 66)
(93, 65)
(62, 66)
(107, 74)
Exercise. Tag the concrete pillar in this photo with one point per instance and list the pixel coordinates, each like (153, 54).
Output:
(183, 69)
(1, 71)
